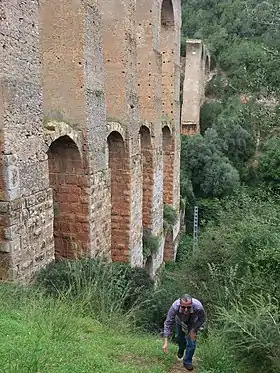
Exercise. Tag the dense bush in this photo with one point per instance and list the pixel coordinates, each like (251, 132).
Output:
(104, 288)
(150, 243)
(208, 114)
(215, 355)
(205, 165)
(269, 163)
(253, 331)
(170, 217)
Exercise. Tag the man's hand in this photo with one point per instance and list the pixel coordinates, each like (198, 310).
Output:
(192, 335)
(165, 347)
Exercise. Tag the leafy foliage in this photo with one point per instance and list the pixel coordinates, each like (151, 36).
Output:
(101, 284)
(205, 165)
(243, 37)
(150, 243)
(254, 327)
(170, 216)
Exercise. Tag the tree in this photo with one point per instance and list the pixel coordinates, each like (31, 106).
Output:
(206, 166)
(243, 37)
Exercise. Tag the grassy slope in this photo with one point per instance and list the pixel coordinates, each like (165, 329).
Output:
(44, 335)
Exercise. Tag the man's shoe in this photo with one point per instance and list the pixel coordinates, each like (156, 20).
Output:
(180, 355)
(188, 366)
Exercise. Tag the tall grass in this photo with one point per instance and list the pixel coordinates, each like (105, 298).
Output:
(253, 331)
(108, 293)
(215, 355)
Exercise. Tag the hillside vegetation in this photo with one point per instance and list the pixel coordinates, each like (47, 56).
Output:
(231, 172)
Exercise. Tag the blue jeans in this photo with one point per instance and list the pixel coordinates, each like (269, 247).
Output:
(185, 342)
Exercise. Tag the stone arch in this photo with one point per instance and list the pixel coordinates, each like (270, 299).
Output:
(150, 127)
(202, 53)
(148, 176)
(167, 50)
(120, 197)
(168, 165)
(116, 127)
(167, 14)
(176, 5)
(202, 59)
(69, 184)
(54, 130)
(165, 124)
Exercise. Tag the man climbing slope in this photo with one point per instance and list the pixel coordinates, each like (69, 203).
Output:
(189, 315)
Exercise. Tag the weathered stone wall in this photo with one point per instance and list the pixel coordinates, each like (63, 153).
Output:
(26, 208)
(79, 82)
(168, 165)
(61, 35)
(97, 132)
(158, 56)
(100, 214)
(168, 247)
(120, 198)
(120, 64)
(197, 70)
(73, 70)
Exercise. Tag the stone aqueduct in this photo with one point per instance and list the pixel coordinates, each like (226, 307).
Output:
(90, 130)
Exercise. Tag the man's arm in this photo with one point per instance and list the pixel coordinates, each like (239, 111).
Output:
(169, 321)
(168, 326)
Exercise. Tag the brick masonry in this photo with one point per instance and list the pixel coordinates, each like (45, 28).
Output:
(88, 92)
(70, 199)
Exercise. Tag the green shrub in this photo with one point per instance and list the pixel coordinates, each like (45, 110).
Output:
(205, 165)
(152, 314)
(170, 216)
(184, 250)
(209, 111)
(214, 354)
(106, 290)
(253, 331)
(269, 164)
(150, 243)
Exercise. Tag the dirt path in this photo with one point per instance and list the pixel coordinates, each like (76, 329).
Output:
(178, 367)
